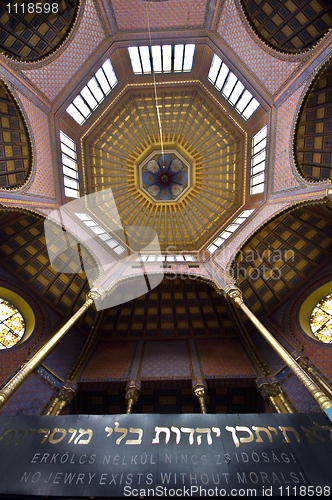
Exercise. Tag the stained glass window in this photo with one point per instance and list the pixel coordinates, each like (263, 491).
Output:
(12, 325)
(321, 320)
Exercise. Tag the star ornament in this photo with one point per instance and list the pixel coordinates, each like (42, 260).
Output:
(165, 178)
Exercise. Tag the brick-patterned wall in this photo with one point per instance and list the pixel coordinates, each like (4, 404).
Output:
(319, 353)
(225, 257)
(65, 354)
(224, 358)
(30, 398)
(110, 361)
(283, 175)
(165, 360)
(271, 71)
(53, 77)
(42, 182)
(299, 396)
(134, 14)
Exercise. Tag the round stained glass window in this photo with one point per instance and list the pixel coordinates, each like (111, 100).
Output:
(12, 326)
(321, 320)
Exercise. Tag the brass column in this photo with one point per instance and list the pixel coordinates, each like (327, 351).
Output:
(133, 390)
(68, 388)
(199, 388)
(65, 395)
(234, 293)
(270, 389)
(308, 366)
(267, 384)
(198, 383)
(27, 368)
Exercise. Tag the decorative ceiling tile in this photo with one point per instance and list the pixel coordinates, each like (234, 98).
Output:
(271, 71)
(134, 14)
(313, 137)
(291, 27)
(53, 77)
(208, 142)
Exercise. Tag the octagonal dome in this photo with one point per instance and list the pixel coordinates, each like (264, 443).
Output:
(205, 140)
(165, 176)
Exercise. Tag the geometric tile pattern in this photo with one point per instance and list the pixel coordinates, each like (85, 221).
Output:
(165, 360)
(15, 145)
(290, 26)
(175, 308)
(42, 182)
(225, 257)
(208, 139)
(12, 359)
(299, 396)
(53, 77)
(313, 137)
(271, 72)
(134, 14)
(222, 358)
(28, 36)
(320, 354)
(273, 360)
(169, 400)
(65, 354)
(279, 258)
(29, 399)
(283, 175)
(110, 361)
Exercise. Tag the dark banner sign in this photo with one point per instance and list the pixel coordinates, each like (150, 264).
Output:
(166, 455)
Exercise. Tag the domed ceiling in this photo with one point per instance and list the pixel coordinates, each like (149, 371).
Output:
(15, 148)
(291, 26)
(313, 139)
(185, 187)
(29, 33)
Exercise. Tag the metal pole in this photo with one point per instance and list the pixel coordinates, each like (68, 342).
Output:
(321, 399)
(27, 368)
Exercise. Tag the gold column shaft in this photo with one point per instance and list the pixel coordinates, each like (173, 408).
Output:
(202, 404)
(275, 404)
(320, 381)
(321, 399)
(278, 401)
(26, 370)
(285, 403)
(130, 403)
(133, 390)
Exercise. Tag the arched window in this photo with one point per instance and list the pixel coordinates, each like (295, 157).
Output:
(12, 326)
(321, 320)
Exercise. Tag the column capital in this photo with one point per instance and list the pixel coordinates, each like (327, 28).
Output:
(200, 393)
(67, 391)
(95, 293)
(268, 386)
(133, 389)
(234, 293)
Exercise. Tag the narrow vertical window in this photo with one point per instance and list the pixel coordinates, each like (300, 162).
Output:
(69, 166)
(258, 162)
(100, 85)
(231, 88)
